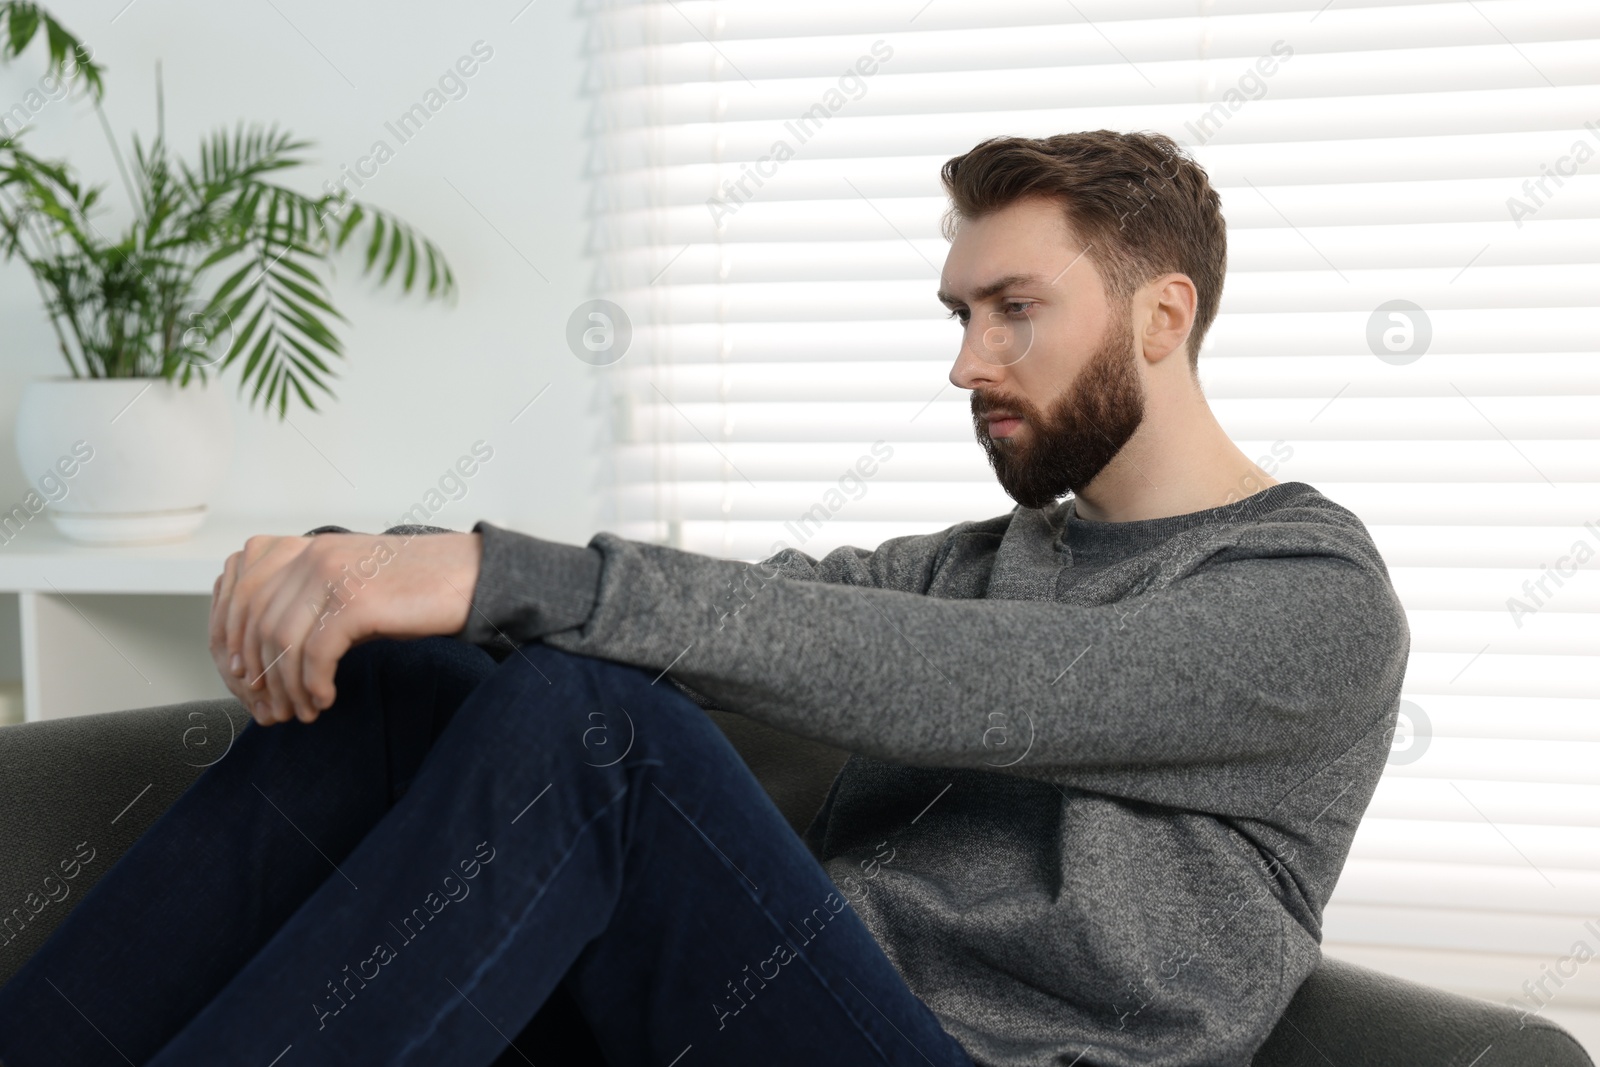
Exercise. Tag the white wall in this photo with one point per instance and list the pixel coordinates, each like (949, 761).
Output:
(423, 380)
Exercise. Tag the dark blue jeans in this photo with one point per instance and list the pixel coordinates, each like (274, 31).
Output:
(457, 854)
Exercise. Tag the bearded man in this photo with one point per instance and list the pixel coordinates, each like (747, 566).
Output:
(1107, 750)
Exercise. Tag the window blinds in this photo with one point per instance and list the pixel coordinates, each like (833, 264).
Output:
(1408, 324)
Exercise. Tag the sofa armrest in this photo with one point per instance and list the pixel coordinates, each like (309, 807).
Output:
(76, 792)
(1352, 1016)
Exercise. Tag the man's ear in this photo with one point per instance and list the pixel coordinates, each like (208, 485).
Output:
(1165, 308)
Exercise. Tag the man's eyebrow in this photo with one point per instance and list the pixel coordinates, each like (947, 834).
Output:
(983, 292)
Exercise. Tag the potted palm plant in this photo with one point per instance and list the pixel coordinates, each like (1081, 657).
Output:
(220, 268)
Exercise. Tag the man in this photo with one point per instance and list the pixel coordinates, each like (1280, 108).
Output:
(1108, 754)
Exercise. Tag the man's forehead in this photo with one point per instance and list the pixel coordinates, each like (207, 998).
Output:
(984, 282)
(1025, 244)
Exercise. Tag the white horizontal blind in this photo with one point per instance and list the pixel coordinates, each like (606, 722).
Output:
(1395, 151)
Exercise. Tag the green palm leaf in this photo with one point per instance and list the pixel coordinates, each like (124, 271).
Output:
(217, 246)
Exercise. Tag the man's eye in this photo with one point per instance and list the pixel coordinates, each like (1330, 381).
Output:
(1016, 307)
(959, 314)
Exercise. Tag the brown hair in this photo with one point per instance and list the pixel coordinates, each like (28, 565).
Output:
(1139, 204)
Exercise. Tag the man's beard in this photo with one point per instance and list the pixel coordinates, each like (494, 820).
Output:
(1084, 431)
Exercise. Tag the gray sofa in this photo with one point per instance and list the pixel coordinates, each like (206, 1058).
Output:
(89, 786)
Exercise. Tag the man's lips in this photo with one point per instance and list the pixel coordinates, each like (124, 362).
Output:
(1002, 423)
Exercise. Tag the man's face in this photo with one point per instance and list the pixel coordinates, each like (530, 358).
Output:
(1056, 391)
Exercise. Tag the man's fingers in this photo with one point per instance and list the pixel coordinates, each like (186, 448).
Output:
(272, 691)
(217, 625)
(257, 627)
(236, 685)
(250, 650)
(337, 627)
(245, 613)
(275, 647)
(219, 653)
(318, 664)
(288, 620)
(259, 563)
(221, 592)
(243, 695)
(256, 660)
(326, 643)
(236, 623)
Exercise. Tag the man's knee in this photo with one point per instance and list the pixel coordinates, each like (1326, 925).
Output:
(613, 709)
(409, 688)
(404, 665)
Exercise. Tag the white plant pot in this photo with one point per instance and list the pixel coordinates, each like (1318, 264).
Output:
(124, 460)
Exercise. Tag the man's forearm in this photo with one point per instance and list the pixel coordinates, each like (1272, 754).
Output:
(1209, 670)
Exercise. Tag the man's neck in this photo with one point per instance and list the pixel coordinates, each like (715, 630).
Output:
(1180, 460)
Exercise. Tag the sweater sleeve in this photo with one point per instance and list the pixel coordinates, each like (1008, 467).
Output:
(1235, 658)
(529, 588)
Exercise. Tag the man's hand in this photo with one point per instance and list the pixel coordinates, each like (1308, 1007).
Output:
(285, 609)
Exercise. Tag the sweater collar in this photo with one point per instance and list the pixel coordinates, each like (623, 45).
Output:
(1091, 537)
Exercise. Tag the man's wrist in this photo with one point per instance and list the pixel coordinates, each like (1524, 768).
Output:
(465, 562)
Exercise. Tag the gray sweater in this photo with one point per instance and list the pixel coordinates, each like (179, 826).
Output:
(1104, 775)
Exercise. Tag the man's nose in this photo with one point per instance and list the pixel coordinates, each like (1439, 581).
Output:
(970, 370)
